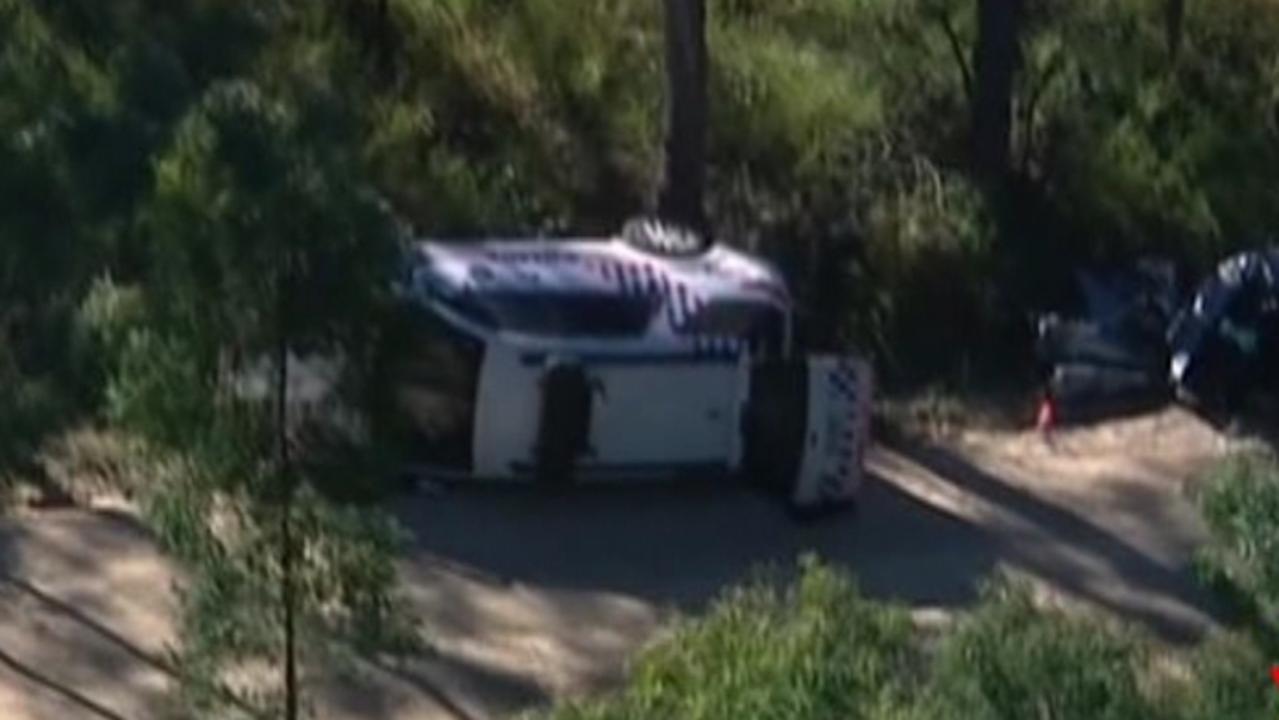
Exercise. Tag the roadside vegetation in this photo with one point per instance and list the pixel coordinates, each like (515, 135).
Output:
(1241, 507)
(839, 144)
(815, 647)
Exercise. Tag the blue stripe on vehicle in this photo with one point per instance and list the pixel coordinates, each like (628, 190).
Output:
(650, 279)
(624, 279)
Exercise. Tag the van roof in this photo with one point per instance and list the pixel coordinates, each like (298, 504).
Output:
(604, 266)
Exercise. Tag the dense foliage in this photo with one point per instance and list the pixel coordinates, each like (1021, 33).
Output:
(838, 141)
(1241, 506)
(204, 165)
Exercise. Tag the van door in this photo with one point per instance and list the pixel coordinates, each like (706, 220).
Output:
(666, 415)
(649, 416)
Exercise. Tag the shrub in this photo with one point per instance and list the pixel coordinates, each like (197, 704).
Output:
(1010, 660)
(100, 333)
(816, 650)
(1228, 679)
(1240, 503)
(820, 650)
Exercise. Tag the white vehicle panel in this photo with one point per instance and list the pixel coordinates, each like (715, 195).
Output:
(507, 412)
(667, 413)
(646, 415)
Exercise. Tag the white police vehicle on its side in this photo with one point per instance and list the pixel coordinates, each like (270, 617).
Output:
(610, 359)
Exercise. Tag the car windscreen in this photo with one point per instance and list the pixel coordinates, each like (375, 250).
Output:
(568, 314)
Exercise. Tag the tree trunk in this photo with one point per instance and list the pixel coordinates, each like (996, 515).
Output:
(680, 199)
(290, 610)
(1174, 17)
(285, 480)
(995, 61)
(370, 24)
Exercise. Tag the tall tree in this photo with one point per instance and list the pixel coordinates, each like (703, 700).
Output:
(1174, 19)
(681, 198)
(996, 57)
(267, 249)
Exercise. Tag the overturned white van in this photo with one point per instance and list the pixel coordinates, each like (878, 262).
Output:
(612, 359)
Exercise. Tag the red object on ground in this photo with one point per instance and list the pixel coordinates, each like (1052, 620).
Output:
(1046, 418)
(1274, 674)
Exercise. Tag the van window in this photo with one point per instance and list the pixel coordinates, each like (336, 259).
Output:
(569, 314)
(761, 325)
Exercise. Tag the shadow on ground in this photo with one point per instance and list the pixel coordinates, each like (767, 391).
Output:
(58, 650)
(565, 588)
(1078, 555)
(578, 580)
(681, 546)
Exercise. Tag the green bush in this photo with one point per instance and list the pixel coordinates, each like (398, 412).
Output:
(1228, 678)
(1240, 503)
(107, 315)
(150, 393)
(1009, 660)
(819, 649)
(816, 650)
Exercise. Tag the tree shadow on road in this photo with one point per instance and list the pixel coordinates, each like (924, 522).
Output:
(89, 624)
(449, 681)
(576, 582)
(10, 577)
(680, 547)
(1088, 544)
(83, 703)
(76, 618)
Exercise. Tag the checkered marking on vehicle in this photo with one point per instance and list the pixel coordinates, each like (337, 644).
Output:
(847, 430)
